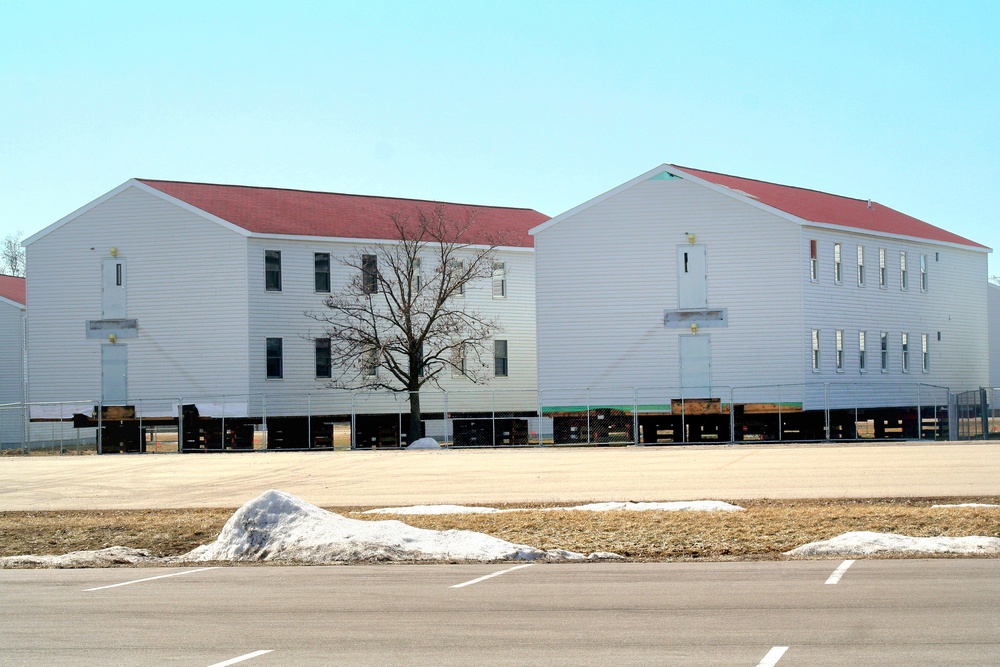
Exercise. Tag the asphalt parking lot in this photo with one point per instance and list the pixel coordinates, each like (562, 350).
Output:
(815, 613)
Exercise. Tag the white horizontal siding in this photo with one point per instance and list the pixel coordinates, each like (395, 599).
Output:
(186, 286)
(11, 372)
(606, 275)
(282, 315)
(952, 305)
(993, 308)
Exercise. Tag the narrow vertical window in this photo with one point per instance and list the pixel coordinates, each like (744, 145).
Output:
(500, 358)
(458, 367)
(815, 350)
(272, 270)
(906, 352)
(925, 355)
(369, 274)
(456, 271)
(923, 273)
(861, 266)
(838, 275)
(862, 352)
(840, 350)
(902, 271)
(118, 274)
(881, 268)
(324, 367)
(369, 364)
(499, 281)
(274, 359)
(813, 261)
(884, 349)
(322, 271)
(418, 278)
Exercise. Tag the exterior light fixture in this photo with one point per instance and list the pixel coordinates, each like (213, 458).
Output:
(694, 327)
(112, 339)
(690, 238)
(114, 252)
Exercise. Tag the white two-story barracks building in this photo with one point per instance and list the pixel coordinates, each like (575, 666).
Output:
(771, 308)
(161, 294)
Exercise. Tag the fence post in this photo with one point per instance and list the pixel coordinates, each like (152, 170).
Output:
(826, 409)
(588, 415)
(263, 414)
(447, 418)
(100, 427)
(920, 416)
(538, 399)
(354, 425)
(493, 416)
(222, 436)
(984, 412)
(309, 421)
(781, 431)
(635, 416)
(180, 425)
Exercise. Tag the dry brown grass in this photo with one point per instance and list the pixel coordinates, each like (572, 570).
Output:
(765, 530)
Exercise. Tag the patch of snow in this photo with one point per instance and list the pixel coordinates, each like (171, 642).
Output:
(866, 543)
(424, 443)
(604, 555)
(434, 509)
(967, 505)
(682, 506)
(280, 526)
(102, 558)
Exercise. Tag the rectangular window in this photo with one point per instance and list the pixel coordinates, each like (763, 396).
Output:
(902, 271)
(458, 368)
(923, 273)
(272, 270)
(861, 266)
(925, 355)
(884, 348)
(815, 350)
(369, 274)
(500, 358)
(418, 278)
(499, 281)
(370, 363)
(813, 262)
(862, 352)
(274, 359)
(457, 274)
(322, 264)
(324, 367)
(881, 268)
(840, 350)
(838, 275)
(906, 352)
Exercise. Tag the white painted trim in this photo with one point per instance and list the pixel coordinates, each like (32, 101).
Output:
(19, 306)
(599, 198)
(746, 199)
(132, 183)
(369, 241)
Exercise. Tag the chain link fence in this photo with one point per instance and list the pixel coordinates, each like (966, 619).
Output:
(596, 416)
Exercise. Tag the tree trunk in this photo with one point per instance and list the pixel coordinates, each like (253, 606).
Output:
(416, 429)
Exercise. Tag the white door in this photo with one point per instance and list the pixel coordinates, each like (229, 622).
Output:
(692, 283)
(696, 366)
(113, 288)
(114, 374)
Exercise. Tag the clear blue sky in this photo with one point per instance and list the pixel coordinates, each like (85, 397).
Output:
(536, 104)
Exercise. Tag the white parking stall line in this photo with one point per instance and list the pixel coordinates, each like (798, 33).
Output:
(241, 658)
(839, 572)
(489, 576)
(773, 656)
(139, 581)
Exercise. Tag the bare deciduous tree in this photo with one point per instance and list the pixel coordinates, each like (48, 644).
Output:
(401, 321)
(12, 255)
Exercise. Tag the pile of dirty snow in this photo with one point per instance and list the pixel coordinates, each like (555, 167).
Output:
(279, 526)
(865, 543)
(683, 506)
(102, 558)
(424, 443)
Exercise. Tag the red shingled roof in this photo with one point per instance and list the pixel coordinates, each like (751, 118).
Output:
(816, 206)
(12, 288)
(305, 213)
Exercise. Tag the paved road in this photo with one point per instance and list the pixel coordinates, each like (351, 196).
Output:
(891, 613)
(494, 476)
